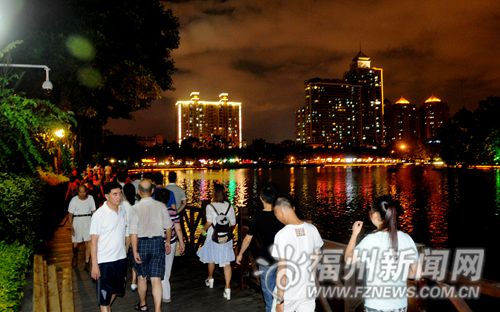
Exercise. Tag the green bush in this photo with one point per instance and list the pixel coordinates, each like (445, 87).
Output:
(21, 207)
(13, 267)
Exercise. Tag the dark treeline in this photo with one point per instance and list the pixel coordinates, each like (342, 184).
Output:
(473, 137)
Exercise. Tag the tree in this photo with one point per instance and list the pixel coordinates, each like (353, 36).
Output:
(473, 138)
(107, 58)
(26, 130)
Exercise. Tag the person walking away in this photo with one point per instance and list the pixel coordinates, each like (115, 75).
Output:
(80, 211)
(107, 237)
(264, 227)
(180, 195)
(386, 245)
(127, 203)
(149, 245)
(163, 195)
(218, 247)
(72, 189)
(298, 245)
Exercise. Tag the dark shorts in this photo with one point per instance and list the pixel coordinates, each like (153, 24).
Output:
(152, 252)
(112, 281)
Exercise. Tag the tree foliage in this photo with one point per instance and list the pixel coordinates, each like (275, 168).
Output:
(473, 137)
(26, 130)
(107, 58)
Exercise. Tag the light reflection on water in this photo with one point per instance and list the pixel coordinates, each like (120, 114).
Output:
(439, 208)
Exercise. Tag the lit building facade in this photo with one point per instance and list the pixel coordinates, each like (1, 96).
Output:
(434, 114)
(210, 121)
(150, 141)
(330, 116)
(401, 122)
(371, 80)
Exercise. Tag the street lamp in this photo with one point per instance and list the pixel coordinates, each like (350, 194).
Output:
(47, 85)
(59, 133)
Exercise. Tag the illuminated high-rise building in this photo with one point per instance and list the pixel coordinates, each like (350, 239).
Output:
(371, 80)
(208, 121)
(434, 114)
(330, 116)
(401, 122)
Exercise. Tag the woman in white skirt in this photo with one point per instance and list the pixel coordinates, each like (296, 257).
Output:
(220, 253)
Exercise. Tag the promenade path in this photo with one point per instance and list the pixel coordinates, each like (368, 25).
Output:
(187, 283)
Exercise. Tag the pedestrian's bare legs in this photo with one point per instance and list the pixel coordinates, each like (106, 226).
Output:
(74, 261)
(211, 269)
(87, 252)
(157, 292)
(134, 276)
(108, 308)
(227, 275)
(142, 289)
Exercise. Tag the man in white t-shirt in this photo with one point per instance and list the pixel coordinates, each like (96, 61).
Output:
(296, 247)
(80, 211)
(107, 237)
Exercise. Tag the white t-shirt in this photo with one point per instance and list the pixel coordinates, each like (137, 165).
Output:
(383, 270)
(109, 226)
(297, 244)
(81, 207)
(179, 193)
(149, 218)
(221, 208)
(125, 205)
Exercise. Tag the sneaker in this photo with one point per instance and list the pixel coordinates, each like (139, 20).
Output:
(133, 287)
(227, 293)
(209, 282)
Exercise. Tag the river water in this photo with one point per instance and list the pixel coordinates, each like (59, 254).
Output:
(440, 208)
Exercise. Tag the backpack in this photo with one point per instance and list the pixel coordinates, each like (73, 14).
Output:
(222, 229)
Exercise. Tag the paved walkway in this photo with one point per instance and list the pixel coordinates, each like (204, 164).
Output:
(187, 283)
(188, 292)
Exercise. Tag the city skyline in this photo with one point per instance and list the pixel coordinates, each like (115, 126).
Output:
(261, 53)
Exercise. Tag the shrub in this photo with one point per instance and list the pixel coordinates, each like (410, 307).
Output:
(51, 178)
(21, 206)
(15, 263)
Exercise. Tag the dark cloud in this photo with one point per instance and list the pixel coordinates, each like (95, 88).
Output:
(183, 71)
(260, 52)
(407, 52)
(219, 11)
(255, 68)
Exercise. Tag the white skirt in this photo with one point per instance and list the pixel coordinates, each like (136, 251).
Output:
(212, 252)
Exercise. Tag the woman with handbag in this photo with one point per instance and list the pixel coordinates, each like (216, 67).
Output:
(218, 247)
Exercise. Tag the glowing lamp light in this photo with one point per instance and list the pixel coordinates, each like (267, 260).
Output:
(59, 133)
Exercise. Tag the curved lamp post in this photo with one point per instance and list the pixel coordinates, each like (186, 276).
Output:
(47, 85)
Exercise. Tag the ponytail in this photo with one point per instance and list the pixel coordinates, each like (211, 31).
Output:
(386, 207)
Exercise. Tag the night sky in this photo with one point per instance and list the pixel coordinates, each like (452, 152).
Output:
(260, 52)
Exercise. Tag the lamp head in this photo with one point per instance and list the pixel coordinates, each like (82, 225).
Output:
(47, 86)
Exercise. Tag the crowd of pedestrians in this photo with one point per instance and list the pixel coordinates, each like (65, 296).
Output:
(124, 221)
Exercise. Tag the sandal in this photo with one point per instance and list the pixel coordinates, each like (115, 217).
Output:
(139, 307)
